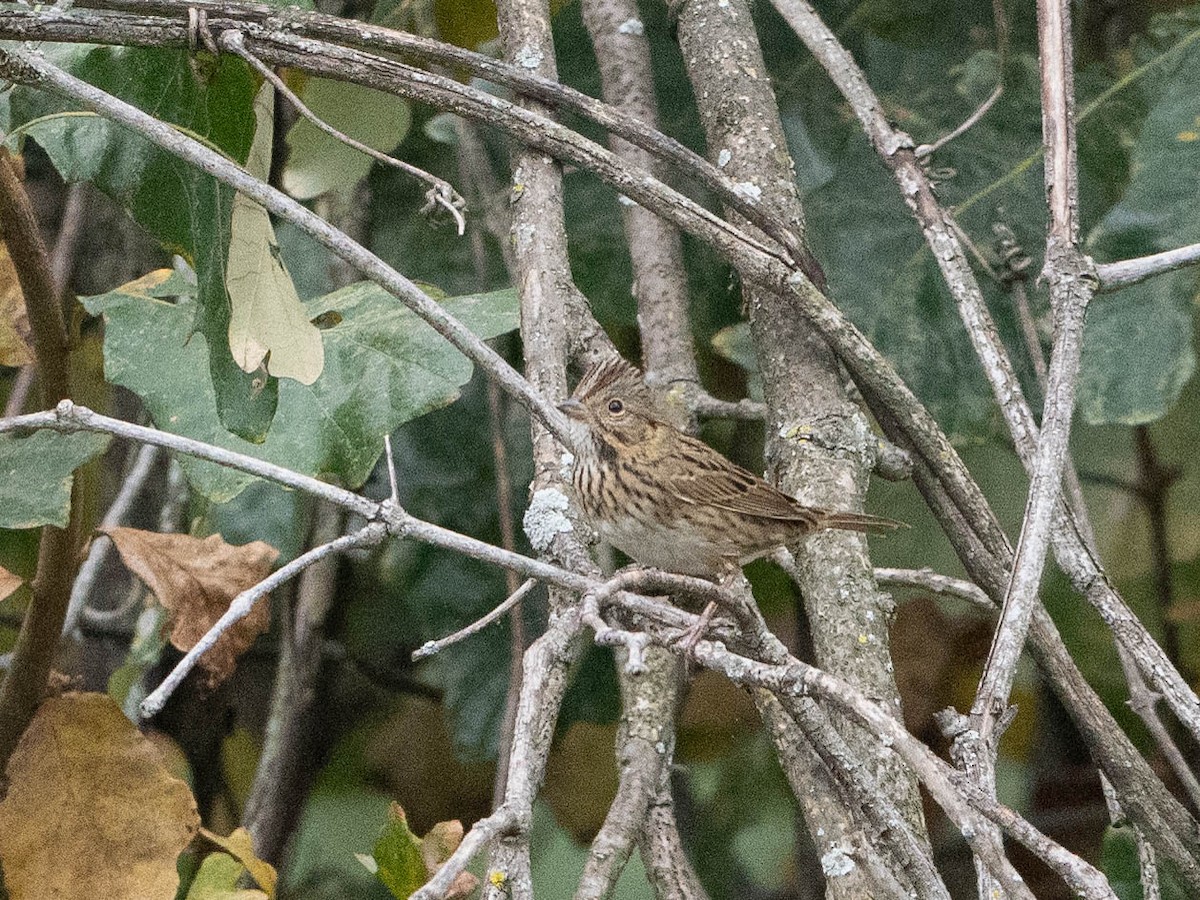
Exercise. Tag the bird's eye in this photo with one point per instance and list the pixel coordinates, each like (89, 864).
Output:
(616, 406)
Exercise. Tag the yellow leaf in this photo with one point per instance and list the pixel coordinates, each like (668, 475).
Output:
(196, 579)
(142, 287)
(319, 163)
(91, 811)
(239, 846)
(14, 322)
(267, 323)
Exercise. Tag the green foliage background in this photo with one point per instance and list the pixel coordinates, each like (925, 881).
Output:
(932, 64)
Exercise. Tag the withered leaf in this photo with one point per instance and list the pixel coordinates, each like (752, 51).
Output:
(8, 582)
(15, 348)
(91, 809)
(196, 579)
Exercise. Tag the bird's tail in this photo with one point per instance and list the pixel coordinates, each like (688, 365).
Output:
(860, 522)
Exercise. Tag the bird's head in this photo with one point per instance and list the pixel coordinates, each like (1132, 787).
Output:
(612, 404)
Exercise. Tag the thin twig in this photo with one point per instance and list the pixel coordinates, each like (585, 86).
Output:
(81, 591)
(390, 460)
(429, 648)
(968, 123)
(1115, 275)
(1001, 22)
(1015, 280)
(243, 603)
(929, 580)
(18, 394)
(1153, 488)
(353, 33)
(1143, 702)
(705, 404)
(442, 193)
(68, 418)
(963, 801)
(70, 227)
(1072, 283)
(1147, 859)
(482, 834)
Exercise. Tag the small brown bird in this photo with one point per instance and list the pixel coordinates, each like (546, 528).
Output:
(668, 500)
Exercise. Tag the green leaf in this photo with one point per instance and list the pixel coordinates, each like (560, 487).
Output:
(383, 366)
(318, 163)
(35, 475)
(882, 277)
(186, 210)
(268, 326)
(412, 593)
(398, 855)
(337, 822)
(218, 880)
(1137, 352)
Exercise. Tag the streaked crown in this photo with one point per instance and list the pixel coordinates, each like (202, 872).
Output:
(613, 376)
(613, 402)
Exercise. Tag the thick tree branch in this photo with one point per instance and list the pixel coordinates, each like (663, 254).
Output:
(1070, 545)
(655, 249)
(671, 875)
(541, 271)
(802, 381)
(645, 747)
(58, 551)
(1072, 283)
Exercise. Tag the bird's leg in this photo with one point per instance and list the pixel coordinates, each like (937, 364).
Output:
(690, 638)
(726, 579)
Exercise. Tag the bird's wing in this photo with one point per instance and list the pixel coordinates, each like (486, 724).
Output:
(709, 479)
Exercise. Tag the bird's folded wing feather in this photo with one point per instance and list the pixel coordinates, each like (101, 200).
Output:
(712, 480)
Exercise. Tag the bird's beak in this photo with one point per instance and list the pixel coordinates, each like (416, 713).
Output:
(573, 409)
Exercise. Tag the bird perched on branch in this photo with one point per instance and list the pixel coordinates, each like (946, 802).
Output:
(668, 500)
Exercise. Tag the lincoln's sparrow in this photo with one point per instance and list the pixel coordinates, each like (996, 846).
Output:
(668, 500)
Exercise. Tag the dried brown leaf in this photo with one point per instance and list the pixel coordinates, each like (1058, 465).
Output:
(196, 579)
(91, 810)
(436, 847)
(8, 582)
(1180, 611)
(15, 347)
